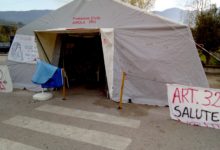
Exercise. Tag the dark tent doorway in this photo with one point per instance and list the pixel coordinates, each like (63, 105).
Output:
(82, 58)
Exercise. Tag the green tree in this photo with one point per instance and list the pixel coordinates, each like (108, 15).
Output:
(207, 30)
(6, 31)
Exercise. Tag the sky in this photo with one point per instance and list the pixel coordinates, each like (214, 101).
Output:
(165, 4)
(23, 5)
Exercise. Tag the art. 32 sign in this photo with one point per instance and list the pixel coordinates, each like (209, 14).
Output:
(195, 106)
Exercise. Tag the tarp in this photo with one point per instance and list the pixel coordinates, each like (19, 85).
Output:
(56, 81)
(48, 76)
(151, 50)
(43, 73)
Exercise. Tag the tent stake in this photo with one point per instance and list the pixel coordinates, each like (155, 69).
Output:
(122, 90)
(64, 85)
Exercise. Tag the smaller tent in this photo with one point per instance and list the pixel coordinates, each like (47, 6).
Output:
(151, 50)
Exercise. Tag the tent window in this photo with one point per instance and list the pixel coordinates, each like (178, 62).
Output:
(82, 57)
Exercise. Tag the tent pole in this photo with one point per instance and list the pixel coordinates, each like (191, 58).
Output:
(42, 48)
(122, 90)
(64, 85)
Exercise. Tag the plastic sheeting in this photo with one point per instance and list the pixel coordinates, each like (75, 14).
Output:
(43, 73)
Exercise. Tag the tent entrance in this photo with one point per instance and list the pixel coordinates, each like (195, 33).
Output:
(81, 55)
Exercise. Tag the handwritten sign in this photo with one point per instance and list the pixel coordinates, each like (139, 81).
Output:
(86, 20)
(194, 106)
(5, 80)
(23, 49)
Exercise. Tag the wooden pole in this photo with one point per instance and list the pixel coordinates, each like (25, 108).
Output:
(122, 90)
(64, 84)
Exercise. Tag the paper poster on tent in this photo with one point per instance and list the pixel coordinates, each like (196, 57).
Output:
(194, 105)
(23, 49)
(5, 80)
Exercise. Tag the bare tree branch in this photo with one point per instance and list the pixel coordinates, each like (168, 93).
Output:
(197, 6)
(143, 4)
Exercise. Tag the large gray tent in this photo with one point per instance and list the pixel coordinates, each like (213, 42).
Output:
(151, 50)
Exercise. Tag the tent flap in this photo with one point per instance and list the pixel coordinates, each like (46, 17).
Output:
(107, 36)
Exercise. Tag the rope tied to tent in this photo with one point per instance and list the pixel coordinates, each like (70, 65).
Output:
(211, 54)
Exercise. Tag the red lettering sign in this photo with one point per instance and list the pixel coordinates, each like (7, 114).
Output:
(86, 20)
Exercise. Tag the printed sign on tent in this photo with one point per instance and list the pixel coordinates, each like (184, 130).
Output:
(194, 105)
(23, 49)
(5, 79)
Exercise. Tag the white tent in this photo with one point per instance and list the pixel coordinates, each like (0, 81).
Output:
(152, 51)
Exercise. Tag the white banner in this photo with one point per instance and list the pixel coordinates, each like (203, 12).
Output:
(194, 105)
(5, 79)
(23, 49)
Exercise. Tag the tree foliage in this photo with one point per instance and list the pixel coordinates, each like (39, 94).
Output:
(143, 4)
(207, 30)
(6, 32)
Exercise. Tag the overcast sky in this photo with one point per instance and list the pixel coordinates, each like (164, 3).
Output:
(21, 5)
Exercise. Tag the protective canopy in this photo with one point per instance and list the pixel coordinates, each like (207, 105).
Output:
(152, 51)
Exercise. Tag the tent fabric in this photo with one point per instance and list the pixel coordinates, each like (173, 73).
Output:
(55, 81)
(107, 35)
(48, 76)
(21, 75)
(151, 50)
(96, 14)
(43, 73)
(166, 59)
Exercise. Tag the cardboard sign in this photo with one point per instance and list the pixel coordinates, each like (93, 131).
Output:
(5, 80)
(23, 49)
(194, 106)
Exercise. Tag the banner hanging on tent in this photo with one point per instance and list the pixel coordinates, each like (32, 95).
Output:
(23, 49)
(5, 80)
(194, 105)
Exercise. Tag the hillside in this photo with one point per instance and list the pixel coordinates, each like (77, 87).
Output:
(176, 15)
(23, 17)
